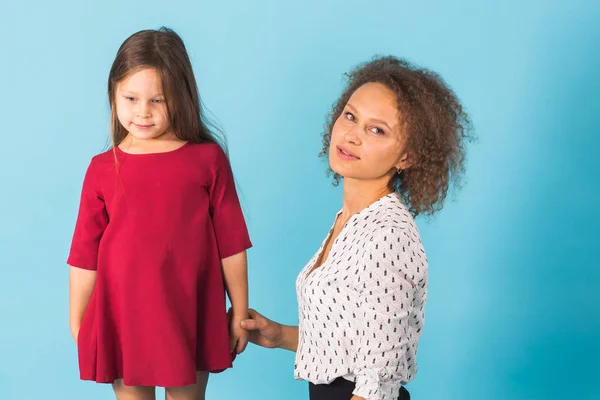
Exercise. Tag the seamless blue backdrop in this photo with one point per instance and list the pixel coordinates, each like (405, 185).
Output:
(514, 305)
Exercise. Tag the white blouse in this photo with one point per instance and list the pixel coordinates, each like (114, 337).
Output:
(362, 311)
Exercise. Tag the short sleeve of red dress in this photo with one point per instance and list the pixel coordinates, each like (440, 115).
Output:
(91, 222)
(228, 220)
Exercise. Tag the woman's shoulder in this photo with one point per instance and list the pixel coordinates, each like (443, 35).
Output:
(391, 214)
(391, 222)
(396, 232)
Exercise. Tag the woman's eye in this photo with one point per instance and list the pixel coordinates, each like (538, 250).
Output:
(349, 116)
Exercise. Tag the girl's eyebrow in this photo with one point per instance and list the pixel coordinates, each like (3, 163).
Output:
(135, 93)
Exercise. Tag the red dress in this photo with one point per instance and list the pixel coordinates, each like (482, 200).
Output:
(155, 229)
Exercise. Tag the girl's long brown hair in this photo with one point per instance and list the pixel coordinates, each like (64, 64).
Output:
(164, 51)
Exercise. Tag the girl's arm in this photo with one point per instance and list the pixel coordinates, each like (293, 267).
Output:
(81, 286)
(92, 221)
(235, 271)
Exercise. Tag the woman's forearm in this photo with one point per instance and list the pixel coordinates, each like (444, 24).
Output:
(289, 338)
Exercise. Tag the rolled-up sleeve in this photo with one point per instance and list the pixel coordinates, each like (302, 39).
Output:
(389, 288)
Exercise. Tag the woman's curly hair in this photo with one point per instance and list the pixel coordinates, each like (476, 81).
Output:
(435, 124)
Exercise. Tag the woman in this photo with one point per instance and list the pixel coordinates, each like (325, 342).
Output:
(397, 139)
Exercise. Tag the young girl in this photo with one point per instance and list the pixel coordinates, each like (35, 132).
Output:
(397, 138)
(159, 237)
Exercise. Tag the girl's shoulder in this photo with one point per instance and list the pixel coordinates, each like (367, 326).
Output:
(102, 161)
(208, 149)
(209, 153)
(107, 156)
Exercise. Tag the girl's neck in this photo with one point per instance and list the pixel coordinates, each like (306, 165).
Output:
(163, 143)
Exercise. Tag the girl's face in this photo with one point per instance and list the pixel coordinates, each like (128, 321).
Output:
(141, 106)
(366, 140)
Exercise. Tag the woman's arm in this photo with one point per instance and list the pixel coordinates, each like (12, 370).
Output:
(394, 288)
(270, 334)
(289, 338)
(81, 286)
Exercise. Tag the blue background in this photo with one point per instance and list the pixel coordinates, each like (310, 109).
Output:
(514, 303)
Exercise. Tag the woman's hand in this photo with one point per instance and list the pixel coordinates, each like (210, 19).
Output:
(262, 331)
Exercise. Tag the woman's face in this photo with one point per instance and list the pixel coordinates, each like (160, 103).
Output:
(367, 142)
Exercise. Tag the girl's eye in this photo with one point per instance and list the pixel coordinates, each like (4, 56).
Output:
(377, 131)
(158, 101)
(128, 98)
(349, 116)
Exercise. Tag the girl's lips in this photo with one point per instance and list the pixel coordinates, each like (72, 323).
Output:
(143, 126)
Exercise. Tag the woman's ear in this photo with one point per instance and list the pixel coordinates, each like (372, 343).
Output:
(405, 162)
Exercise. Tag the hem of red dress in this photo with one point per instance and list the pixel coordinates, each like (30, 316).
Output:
(127, 382)
(225, 253)
(73, 262)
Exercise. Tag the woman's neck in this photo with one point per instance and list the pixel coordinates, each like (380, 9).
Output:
(358, 195)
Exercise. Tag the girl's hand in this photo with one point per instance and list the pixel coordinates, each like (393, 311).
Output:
(238, 335)
(263, 331)
(75, 333)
